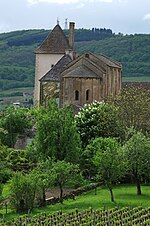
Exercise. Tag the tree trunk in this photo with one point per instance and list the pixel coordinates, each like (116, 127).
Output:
(61, 193)
(111, 193)
(43, 197)
(138, 186)
(11, 135)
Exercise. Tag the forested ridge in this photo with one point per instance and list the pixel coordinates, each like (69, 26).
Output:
(17, 57)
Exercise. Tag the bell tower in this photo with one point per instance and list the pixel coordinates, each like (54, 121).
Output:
(49, 53)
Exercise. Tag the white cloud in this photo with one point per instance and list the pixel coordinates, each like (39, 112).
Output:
(122, 1)
(105, 1)
(81, 5)
(53, 1)
(146, 16)
(100, 0)
(32, 2)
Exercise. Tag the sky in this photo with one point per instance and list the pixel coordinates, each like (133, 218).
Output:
(125, 16)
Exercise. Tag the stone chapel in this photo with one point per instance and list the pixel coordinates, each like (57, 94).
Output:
(71, 79)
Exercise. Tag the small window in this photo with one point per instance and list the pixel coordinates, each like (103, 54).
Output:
(52, 65)
(76, 95)
(87, 55)
(87, 94)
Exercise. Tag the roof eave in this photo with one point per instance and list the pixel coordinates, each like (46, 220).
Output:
(48, 52)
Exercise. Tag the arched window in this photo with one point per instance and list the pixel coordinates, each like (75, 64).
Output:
(76, 95)
(87, 94)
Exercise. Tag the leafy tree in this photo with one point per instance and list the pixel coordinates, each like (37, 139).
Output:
(5, 171)
(108, 160)
(134, 108)
(12, 160)
(56, 134)
(14, 122)
(23, 190)
(20, 160)
(1, 190)
(137, 156)
(43, 180)
(62, 173)
(98, 119)
(2, 175)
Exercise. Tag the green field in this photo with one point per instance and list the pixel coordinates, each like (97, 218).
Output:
(136, 79)
(125, 196)
(9, 92)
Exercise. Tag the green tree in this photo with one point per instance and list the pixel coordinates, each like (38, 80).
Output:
(13, 122)
(107, 158)
(137, 156)
(23, 190)
(62, 173)
(20, 160)
(57, 135)
(5, 171)
(1, 190)
(98, 119)
(42, 176)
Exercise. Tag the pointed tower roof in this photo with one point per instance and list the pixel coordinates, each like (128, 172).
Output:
(56, 42)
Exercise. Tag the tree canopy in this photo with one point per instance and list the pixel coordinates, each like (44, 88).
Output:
(136, 154)
(98, 119)
(62, 173)
(106, 156)
(56, 134)
(23, 190)
(13, 122)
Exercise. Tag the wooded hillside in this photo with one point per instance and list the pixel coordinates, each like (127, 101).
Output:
(133, 51)
(17, 53)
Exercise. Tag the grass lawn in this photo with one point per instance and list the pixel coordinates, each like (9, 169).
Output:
(125, 195)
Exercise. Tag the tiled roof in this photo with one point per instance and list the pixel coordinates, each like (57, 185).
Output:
(109, 61)
(98, 61)
(56, 42)
(85, 66)
(54, 74)
(81, 72)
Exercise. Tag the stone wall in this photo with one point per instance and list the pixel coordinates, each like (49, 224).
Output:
(97, 88)
(49, 90)
(43, 64)
(92, 86)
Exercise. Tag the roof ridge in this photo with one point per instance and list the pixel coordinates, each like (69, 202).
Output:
(94, 64)
(106, 57)
(109, 58)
